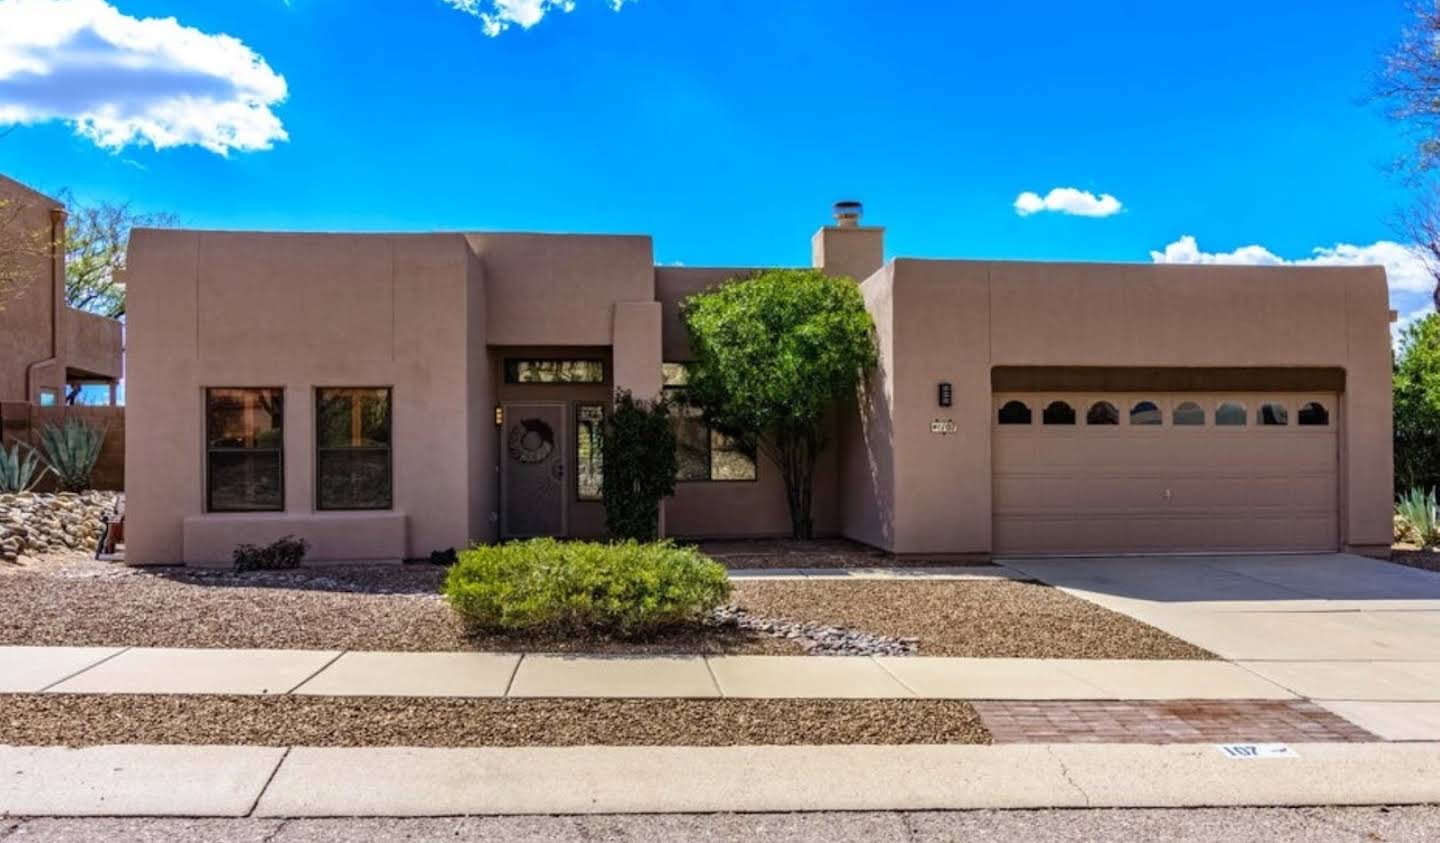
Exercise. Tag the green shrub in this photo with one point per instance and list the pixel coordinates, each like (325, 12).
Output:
(20, 469)
(640, 466)
(626, 589)
(72, 449)
(284, 552)
(1421, 513)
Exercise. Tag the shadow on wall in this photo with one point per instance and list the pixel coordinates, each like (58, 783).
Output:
(869, 497)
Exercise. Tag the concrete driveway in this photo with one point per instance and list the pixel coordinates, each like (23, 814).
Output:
(1361, 637)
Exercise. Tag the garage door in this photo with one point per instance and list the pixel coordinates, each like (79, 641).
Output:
(1177, 472)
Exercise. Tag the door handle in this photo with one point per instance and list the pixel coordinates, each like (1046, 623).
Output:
(1167, 496)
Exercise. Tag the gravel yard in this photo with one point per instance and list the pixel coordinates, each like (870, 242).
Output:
(77, 601)
(747, 554)
(80, 720)
(985, 619)
(1416, 557)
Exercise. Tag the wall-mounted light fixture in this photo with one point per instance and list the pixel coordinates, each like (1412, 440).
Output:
(946, 394)
(499, 416)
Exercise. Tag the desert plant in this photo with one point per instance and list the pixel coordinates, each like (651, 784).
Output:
(284, 552)
(628, 589)
(20, 469)
(72, 449)
(1420, 510)
(640, 466)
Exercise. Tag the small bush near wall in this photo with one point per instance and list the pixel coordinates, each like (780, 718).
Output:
(284, 552)
(72, 450)
(640, 466)
(626, 589)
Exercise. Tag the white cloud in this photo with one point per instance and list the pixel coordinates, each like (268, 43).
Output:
(1068, 200)
(1406, 268)
(121, 80)
(499, 15)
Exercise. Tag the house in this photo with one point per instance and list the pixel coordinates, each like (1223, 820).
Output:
(385, 396)
(46, 348)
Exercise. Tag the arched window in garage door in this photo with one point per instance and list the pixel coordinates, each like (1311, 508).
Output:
(1272, 414)
(1102, 412)
(1058, 412)
(1189, 414)
(1145, 413)
(1015, 412)
(1230, 414)
(1313, 414)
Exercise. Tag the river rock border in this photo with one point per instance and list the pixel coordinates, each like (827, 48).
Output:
(816, 638)
(32, 524)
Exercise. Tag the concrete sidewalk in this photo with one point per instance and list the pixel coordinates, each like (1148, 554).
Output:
(141, 670)
(302, 782)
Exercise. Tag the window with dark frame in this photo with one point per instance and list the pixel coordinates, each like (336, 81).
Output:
(702, 453)
(244, 449)
(353, 463)
(554, 371)
(589, 452)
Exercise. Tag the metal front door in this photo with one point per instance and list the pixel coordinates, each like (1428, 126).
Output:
(532, 477)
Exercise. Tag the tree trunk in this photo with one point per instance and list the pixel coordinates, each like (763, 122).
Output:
(796, 458)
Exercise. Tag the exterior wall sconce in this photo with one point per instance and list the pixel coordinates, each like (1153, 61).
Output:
(499, 416)
(946, 394)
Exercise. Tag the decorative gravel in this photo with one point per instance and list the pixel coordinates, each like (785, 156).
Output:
(79, 602)
(81, 720)
(747, 554)
(981, 619)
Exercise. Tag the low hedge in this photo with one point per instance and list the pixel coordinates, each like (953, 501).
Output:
(627, 589)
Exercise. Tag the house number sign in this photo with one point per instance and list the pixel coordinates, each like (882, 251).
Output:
(943, 427)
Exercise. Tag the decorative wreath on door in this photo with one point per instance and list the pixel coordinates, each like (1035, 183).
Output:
(531, 441)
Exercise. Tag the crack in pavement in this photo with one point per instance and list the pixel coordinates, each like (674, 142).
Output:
(1065, 772)
(8, 827)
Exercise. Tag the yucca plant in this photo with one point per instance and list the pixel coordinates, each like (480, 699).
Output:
(72, 449)
(20, 469)
(1421, 511)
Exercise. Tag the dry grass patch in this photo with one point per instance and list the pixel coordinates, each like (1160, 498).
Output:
(87, 720)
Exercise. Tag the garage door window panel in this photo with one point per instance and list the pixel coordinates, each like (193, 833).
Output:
(1313, 414)
(1102, 413)
(1059, 412)
(1230, 414)
(1272, 414)
(1145, 414)
(1189, 414)
(1015, 412)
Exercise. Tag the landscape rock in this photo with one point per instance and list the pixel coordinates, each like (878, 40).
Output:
(816, 638)
(35, 524)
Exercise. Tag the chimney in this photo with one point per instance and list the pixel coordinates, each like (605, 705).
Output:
(848, 248)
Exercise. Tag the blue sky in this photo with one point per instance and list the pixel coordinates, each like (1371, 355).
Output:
(725, 129)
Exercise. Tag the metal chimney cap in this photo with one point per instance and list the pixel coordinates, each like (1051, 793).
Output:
(848, 213)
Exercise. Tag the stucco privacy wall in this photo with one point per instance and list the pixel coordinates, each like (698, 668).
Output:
(30, 310)
(867, 442)
(958, 319)
(732, 509)
(298, 311)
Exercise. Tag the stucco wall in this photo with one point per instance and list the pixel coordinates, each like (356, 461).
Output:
(92, 343)
(867, 444)
(546, 289)
(960, 318)
(296, 311)
(27, 312)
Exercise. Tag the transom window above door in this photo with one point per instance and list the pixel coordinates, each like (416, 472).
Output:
(554, 371)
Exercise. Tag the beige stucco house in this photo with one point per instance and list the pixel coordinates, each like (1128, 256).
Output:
(45, 346)
(385, 396)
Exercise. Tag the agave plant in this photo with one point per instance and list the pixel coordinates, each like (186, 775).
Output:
(72, 449)
(1421, 511)
(20, 469)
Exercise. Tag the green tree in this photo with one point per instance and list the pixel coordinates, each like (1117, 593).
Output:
(773, 353)
(1417, 406)
(96, 237)
(638, 451)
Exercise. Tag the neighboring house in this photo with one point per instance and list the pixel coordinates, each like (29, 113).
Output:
(384, 396)
(45, 346)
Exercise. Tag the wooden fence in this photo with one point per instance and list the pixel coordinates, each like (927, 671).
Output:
(22, 421)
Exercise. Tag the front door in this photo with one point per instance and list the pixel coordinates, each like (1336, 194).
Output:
(533, 468)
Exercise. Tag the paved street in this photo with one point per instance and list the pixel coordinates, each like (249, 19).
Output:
(1247, 825)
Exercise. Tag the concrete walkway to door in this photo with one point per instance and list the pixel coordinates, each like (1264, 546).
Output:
(1359, 636)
